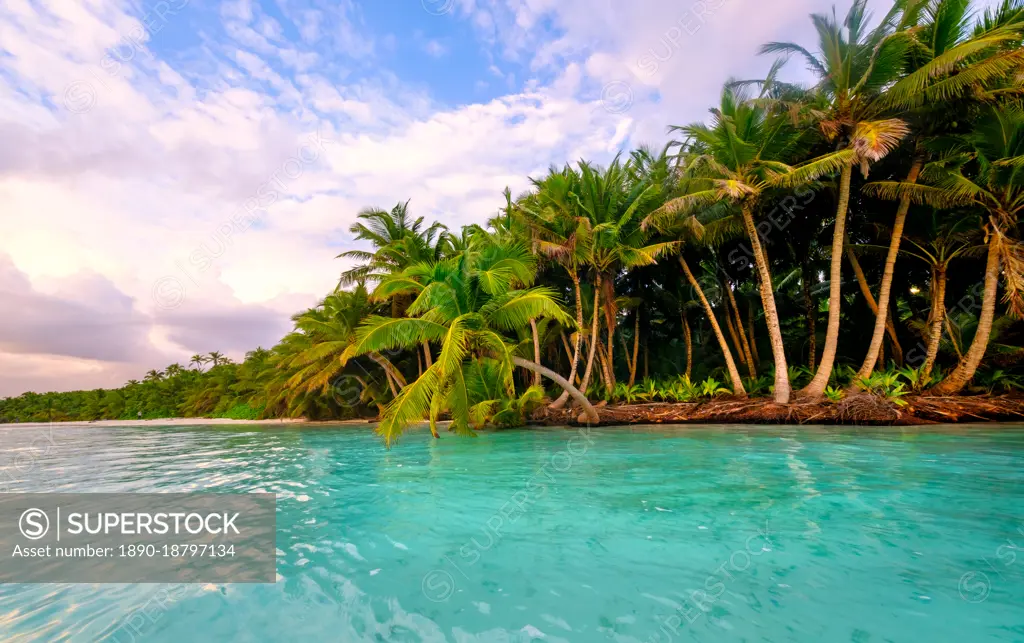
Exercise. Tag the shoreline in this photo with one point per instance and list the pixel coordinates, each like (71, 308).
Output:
(856, 410)
(862, 409)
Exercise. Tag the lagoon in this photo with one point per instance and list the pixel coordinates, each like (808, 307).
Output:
(629, 534)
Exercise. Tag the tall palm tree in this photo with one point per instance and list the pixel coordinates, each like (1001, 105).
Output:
(947, 66)
(216, 358)
(198, 360)
(736, 161)
(854, 66)
(615, 201)
(943, 240)
(562, 234)
(995, 151)
(465, 303)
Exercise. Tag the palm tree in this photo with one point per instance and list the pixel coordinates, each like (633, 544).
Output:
(614, 201)
(560, 233)
(198, 360)
(736, 161)
(945, 65)
(995, 149)
(216, 358)
(854, 67)
(398, 241)
(466, 303)
(331, 328)
(943, 240)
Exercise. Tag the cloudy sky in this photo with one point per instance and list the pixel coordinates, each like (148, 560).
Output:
(177, 176)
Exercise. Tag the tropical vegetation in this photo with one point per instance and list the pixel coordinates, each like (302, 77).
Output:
(719, 265)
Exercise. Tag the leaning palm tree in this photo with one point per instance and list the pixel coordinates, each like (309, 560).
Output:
(331, 328)
(854, 67)
(948, 67)
(995, 151)
(467, 304)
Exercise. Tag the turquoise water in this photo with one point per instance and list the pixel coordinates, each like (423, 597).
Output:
(631, 535)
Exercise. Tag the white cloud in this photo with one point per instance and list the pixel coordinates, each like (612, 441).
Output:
(120, 197)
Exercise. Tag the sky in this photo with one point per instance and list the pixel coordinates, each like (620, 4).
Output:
(179, 176)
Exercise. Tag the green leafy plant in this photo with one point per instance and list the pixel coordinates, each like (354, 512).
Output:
(885, 384)
(833, 394)
(711, 387)
(997, 380)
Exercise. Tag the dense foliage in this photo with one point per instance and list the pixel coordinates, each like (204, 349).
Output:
(792, 245)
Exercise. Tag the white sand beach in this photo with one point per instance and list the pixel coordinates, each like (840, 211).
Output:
(179, 422)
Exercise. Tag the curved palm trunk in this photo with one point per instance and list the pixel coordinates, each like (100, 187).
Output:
(730, 325)
(609, 321)
(958, 379)
(560, 402)
(937, 317)
(536, 350)
(730, 365)
(688, 336)
(771, 316)
(889, 327)
(636, 348)
(594, 339)
(750, 331)
(581, 399)
(745, 345)
(816, 387)
(882, 315)
(390, 372)
(812, 314)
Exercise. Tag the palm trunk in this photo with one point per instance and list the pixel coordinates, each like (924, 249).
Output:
(565, 346)
(812, 315)
(536, 350)
(816, 388)
(881, 319)
(730, 325)
(610, 312)
(958, 379)
(894, 342)
(936, 318)
(594, 340)
(741, 332)
(426, 355)
(771, 316)
(730, 365)
(625, 351)
(636, 348)
(688, 337)
(750, 330)
(888, 326)
(560, 402)
(588, 408)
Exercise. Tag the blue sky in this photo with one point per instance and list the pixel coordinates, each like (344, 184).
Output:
(178, 176)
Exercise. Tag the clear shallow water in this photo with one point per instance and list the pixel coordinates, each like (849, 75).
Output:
(694, 534)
